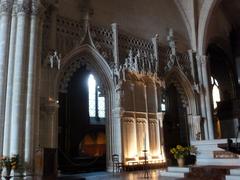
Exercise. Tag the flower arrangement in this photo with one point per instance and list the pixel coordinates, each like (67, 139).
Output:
(9, 162)
(180, 151)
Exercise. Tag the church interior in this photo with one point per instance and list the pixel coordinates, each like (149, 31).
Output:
(89, 86)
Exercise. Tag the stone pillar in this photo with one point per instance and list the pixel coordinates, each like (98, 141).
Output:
(202, 96)
(31, 88)
(113, 128)
(116, 128)
(207, 97)
(115, 44)
(160, 117)
(8, 106)
(154, 136)
(158, 137)
(5, 17)
(38, 84)
(52, 109)
(19, 81)
(147, 122)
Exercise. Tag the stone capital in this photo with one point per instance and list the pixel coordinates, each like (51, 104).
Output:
(114, 26)
(202, 59)
(23, 8)
(37, 8)
(6, 7)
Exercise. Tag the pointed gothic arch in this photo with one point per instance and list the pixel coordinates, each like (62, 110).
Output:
(88, 56)
(187, 95)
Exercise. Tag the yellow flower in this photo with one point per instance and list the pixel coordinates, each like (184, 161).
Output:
(179, 147)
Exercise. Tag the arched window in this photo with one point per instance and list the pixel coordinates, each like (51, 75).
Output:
(215, 92)
(96, 101)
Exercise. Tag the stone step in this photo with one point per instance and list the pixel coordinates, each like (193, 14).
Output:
(172, 174)
(235, 172)
(178, 169)
(232, 177)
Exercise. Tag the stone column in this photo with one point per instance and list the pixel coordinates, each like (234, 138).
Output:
(157, 102)
(31, 88)
(116, 126)
(207, 97)
(5, 19)
(147, 122)
(202, 96)
(19, 81)
(205, 75)
(160, 117)
(8, 106)
(38, 84)
(51, 109)
(115, 44)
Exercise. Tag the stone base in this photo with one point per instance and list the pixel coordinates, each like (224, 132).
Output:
(178, 172)
(234, 174)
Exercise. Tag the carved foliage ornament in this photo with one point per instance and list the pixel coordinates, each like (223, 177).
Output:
(34, 8)
(23, 7)
(37, 8)
(6, 6)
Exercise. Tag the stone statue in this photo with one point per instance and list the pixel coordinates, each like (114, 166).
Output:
(55, 59)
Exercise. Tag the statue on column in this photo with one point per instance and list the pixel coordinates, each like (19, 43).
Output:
(54, 60)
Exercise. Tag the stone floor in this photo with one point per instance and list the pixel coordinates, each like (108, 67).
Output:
(130, 175)
(127, 175)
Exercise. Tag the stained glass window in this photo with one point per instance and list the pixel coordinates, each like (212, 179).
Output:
(92, 96)
(96, 100)
(215, 92)
(101, 106)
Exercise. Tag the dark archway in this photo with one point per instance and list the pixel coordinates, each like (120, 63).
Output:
(175, 122)
(88, 56)
(223, 76)
(82, 143)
